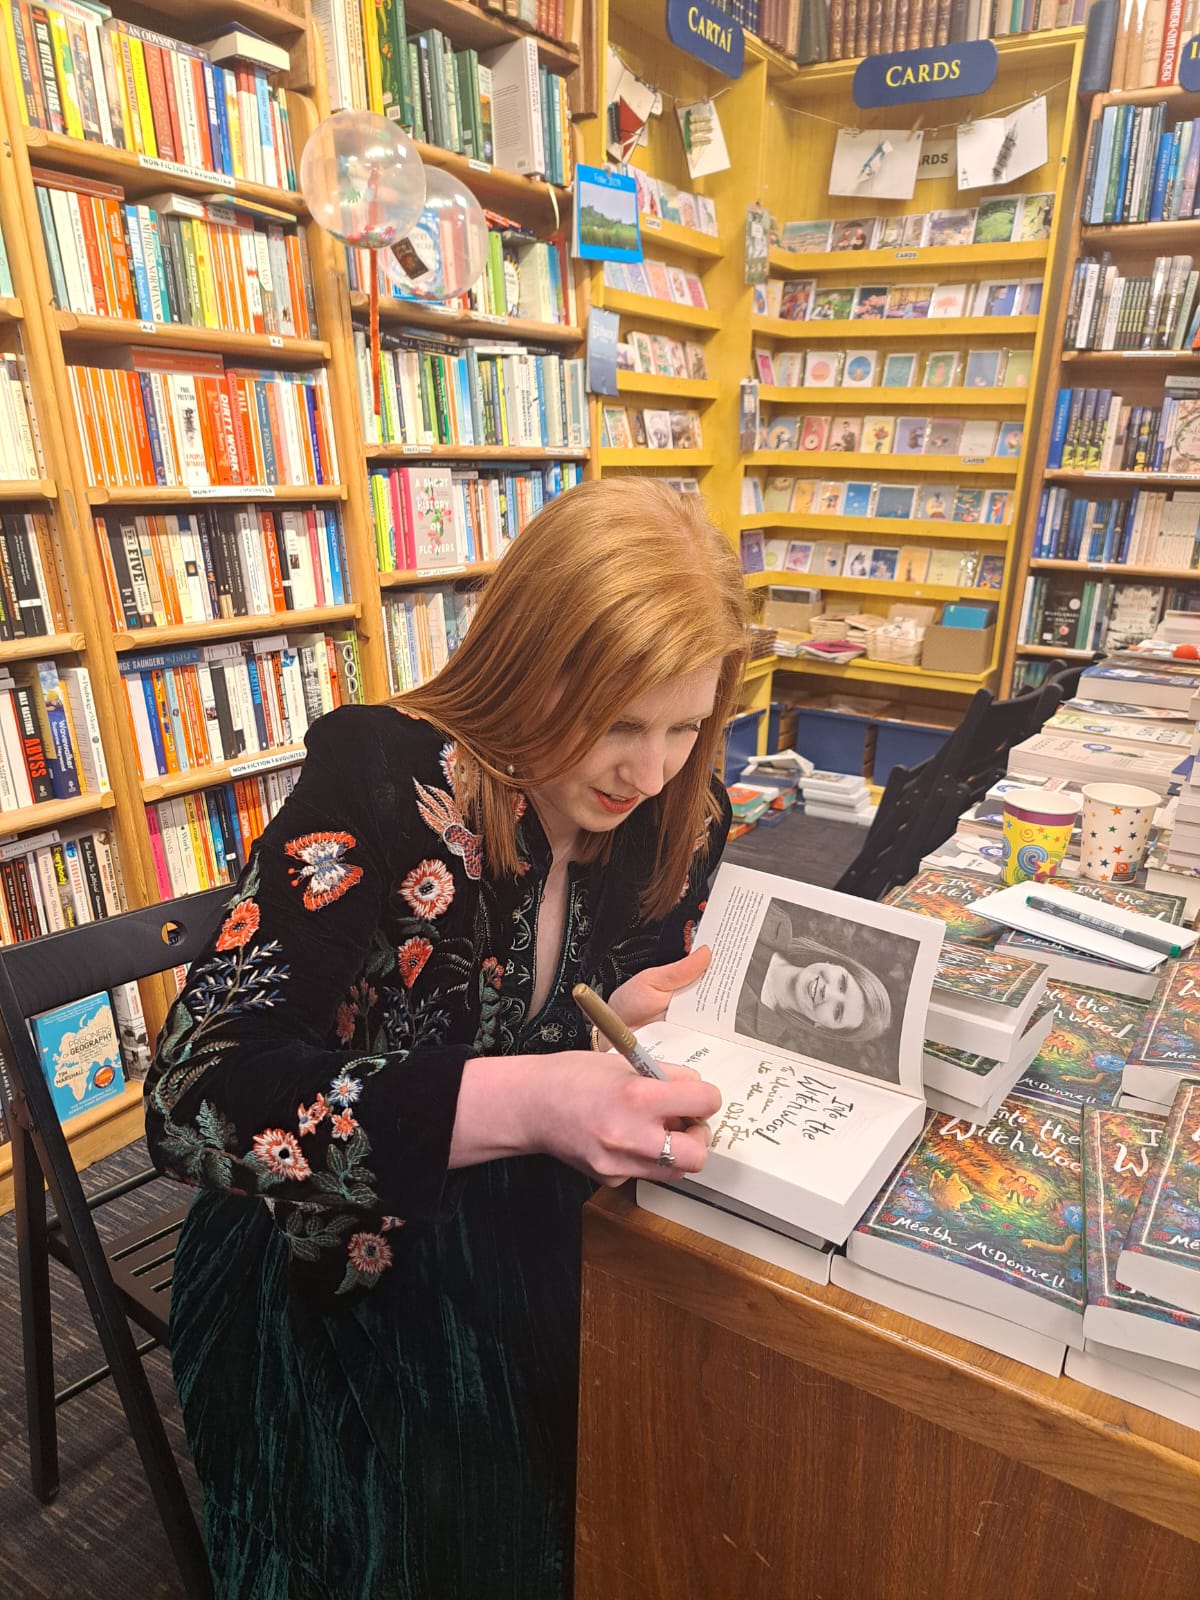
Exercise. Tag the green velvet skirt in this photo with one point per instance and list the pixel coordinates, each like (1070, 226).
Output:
(415, 1442)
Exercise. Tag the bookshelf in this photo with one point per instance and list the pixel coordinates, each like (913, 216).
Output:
(1072, 564)
(795, 135)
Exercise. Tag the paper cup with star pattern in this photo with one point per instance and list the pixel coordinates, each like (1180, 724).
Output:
(1115, 827)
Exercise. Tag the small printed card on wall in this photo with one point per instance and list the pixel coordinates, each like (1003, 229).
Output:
(606, 216)
(703, 138)
(758, 244)
(602, 329)
(998, 149)
(881, 162)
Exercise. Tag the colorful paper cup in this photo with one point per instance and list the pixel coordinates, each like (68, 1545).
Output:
(1037, 829)
(1115, 828)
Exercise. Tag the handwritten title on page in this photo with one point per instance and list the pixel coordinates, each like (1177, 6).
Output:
(782, 1100)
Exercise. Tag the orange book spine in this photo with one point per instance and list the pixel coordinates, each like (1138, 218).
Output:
(195, 717)
(119, 256)
(112, 588)
(274, 569)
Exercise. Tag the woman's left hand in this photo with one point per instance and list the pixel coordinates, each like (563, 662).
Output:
(643, 999)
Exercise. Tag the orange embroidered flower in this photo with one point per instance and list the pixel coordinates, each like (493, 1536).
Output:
(493, 971)
(310, 1116)
(411, 958)
(429, 888)
(239, 926)
(343, 1124)
(281, 1154)
(519, 804)
(369, 1253)
(448, 761)
(347, 1021)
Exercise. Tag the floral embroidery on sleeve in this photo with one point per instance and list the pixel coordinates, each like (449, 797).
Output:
(429, 888)
(329, 877)
(410, 958)
(440, 812)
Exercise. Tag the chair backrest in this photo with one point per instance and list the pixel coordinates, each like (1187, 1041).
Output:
(976, 753)
(917, 812)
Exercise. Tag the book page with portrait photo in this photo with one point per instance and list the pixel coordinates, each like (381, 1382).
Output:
(833, 980)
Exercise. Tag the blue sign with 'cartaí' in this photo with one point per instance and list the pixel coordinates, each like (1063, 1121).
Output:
(943, 73)
(1189, 66)
(704, 31)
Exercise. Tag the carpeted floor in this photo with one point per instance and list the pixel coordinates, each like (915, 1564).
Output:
(101, 1538)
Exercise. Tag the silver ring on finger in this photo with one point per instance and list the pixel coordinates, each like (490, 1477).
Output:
(665, 1158)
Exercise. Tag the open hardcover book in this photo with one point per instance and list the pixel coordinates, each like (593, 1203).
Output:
(811, 1021)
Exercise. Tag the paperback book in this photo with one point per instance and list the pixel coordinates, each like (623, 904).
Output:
(80, 1054)
(810, 1020)
(1081, 1062)
(1119, 1148)
(1078, 966)
(946, 896)
(990, 1215)
(964, 1084)
(1161, 1252)
(982, 1001)
(1167, 1046)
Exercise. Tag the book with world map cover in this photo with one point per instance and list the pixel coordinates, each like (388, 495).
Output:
(80, 1054)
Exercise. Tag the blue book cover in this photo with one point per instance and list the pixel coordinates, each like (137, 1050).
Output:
(1095, 205)
(137, 261)
(156, 734)
(1058, 428)
(80, 1054)
(1162, 171)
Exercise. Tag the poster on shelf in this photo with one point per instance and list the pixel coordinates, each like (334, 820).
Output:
(998, 149)
(703, 138)
(606, 215)
(881, 163)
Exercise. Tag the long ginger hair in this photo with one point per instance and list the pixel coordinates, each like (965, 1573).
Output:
(614, 589)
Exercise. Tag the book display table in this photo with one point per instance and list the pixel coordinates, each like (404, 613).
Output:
(747, 1435)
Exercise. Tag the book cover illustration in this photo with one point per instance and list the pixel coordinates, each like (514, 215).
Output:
(946, 896)
(1166, 1222)
(80, 1054)
(1119, 1149)
(1170, 1031)
(984, 975)
(1005, 1199)
(979, 1066)
(1082, 1060)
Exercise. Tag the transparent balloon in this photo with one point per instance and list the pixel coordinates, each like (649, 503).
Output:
(447, 246)
(363, 179)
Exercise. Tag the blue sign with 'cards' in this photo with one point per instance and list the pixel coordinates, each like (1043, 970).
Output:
(709, 34)
(943, 73)
(1189, 66)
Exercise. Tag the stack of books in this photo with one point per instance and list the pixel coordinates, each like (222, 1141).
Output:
(1166, 1046)
(838, 796)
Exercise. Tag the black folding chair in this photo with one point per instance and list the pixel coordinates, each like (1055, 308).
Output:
(918, 811)
(131, 1277)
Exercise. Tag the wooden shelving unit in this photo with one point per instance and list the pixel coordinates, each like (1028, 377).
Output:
(1138, 373)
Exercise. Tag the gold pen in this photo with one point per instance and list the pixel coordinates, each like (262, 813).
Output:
(614, 1030)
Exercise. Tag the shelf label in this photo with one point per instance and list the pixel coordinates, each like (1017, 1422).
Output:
(490, 316)
(905, 255)
(231, 491)
(973, 461)
(709, 34)
(264, 763)
(439, 572)
(413, 449)
(147, 327)
(275, 340)
(478, 166)
(944, 72)
(653, 223)
(176, 169)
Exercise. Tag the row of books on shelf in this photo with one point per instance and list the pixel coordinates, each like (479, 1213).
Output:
(660, 201)
(172, 259)
(899, 369)
(910, 563)
(657, 280)
(1138, 170)
(803, 300)
(92, 76)
(220, 562)
(203, 840)
(997, 219)
(1108, 310)
(422, 630)
(922, 502)
(57, 879)
(1097, 430)
(50, 745)
(972, 438)
(193, 706)
(1074, 613)
(470, 392)
(836, 30)
(33, 597)
(524, 277)
(160, 419)
(1147, 529)
(659, 356)
(20, 442)
(429, 518)
(625, 428)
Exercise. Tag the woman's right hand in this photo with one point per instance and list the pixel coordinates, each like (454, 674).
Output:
(588, 1109)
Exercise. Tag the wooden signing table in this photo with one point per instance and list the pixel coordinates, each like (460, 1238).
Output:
(747, 1435)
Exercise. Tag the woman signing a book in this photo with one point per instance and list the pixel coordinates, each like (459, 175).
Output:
(379, 1081)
